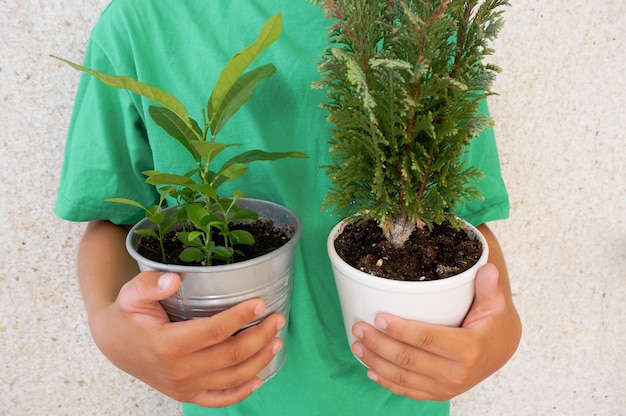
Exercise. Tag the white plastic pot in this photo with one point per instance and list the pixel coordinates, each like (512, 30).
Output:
(363, 296)
(205, 291)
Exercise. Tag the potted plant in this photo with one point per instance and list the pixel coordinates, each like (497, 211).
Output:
(227, 249)
(404, 82)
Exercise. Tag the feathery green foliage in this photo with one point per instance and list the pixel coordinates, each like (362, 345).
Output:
(201, 209)
(404, 82)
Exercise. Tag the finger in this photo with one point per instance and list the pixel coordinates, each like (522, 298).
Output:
(198, 334)
(241, 373)
(405, 384)
(411, 383)
(241, 347)
(223, 398)
(437, 340)
(378, 350)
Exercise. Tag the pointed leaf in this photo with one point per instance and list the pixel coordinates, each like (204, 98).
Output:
(156, 217)
(237, 194)
(208, 150)
(169, 179)
(254, 155)
(238, 64)
(123, 82)
(205, 189)
(238, 95)
(147, 232)
(176, 127)
(232, 171)
(194, 235)
(126, 201)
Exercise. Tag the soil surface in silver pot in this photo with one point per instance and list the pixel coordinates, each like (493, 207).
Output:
(267, 236)
(428, 254)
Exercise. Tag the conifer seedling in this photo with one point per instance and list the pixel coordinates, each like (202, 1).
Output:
(404, 82)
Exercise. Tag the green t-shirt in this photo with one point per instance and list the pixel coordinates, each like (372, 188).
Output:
(181, 46)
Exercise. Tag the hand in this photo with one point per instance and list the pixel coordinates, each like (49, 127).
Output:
(428, 362)
(196, 361)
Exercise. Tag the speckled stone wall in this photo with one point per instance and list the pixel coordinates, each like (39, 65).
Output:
(562, 133)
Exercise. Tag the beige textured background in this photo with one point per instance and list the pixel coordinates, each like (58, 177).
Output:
(562, 131)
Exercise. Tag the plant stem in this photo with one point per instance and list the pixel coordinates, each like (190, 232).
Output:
(462, 36)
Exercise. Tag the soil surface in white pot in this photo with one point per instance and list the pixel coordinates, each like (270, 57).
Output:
(429, 254)
(267, 236)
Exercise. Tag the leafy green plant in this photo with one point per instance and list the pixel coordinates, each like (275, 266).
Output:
(201, 210)
(404, 81)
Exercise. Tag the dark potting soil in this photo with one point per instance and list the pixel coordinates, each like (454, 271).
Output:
(267, 236)
(427, 255)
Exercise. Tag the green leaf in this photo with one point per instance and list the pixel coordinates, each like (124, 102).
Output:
(198, 215)
(232, 171)
(205, 189)
(192, 254)
(168, 224)
(176, 127)
(194, 235)
(223, 253)
(168, 179)
(126, 201)
(237, 194)
(191, 240)
(155, 94)
(208, 150)
(255, 155)
(241, 237)
(244, 214)
(238, 64)
(156, 216)
(147, 232)
(238, 95)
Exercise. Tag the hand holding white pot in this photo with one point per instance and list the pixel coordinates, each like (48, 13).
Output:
(430, 362)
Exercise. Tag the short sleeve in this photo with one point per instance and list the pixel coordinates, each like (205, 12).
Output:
(106, 151)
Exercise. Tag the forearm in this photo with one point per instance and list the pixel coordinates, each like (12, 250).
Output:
(512, 326)
(104, 265)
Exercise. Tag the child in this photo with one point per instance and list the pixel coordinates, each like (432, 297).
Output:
(181, 47)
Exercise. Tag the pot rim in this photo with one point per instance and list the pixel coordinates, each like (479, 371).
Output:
(154, 265)
(382, 283)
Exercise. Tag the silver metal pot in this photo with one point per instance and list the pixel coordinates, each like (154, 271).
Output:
(205, 291)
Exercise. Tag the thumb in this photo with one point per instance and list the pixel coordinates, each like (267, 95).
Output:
(488, 296)
(149, 287)
(487, 282)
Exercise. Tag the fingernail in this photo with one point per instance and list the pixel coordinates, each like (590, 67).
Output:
(357, 350)
(381, 323)
(280, 324)
(373, 376)
(358, 332)
(259, 309)
(165, 280)
(277, 347)
(257, 386)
